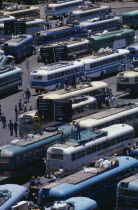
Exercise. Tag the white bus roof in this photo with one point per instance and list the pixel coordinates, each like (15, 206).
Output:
(95, 21)
(80, 90)
(89, 99)
(133, 46)
(56, 67)
(106, 116)
(98, 57)
(62, 3)
(128, 74)
(89, 9)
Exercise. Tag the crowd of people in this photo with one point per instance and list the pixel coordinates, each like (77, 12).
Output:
(22, 107)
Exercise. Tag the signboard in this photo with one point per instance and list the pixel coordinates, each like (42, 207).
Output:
(9, 27)
(58, 110)
(60, 53)
(20, 27)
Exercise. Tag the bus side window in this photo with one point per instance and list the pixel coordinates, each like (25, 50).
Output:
(73, 156)
(78, 155)
(89, 151)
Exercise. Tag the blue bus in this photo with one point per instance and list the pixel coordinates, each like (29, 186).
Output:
(19, 46)
(11, 194)
(99, 185)
(58, 34)
(22, 157)
(133, 50)
(127, 193)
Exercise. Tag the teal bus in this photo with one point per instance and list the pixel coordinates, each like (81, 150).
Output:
(130, 19)
(114, 39)
(127, 193)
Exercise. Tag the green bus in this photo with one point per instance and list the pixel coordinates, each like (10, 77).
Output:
(114, 40)
(130, 19)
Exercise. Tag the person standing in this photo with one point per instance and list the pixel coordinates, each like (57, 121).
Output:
(27, 63)
(15, 127)
(10, 126)
(3, 120)
(16, 113)
(20, 105)
(28, 94)
(0, 112)
(66, 83)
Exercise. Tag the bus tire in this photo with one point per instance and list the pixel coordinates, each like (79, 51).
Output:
(102, 75)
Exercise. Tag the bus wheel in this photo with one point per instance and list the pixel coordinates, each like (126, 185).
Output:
(102, 75)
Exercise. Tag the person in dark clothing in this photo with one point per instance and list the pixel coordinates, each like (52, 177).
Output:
(66, 83)
(15, 127)
(74, 81)
(28, 94)
(0, 112)
(32, 181)
(16, 113)
(10, 126)
(20, 105)
(3, 120)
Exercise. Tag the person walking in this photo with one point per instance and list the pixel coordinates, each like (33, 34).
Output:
(27, 63)
(28, 94)
(20, 105)
(3, 120)
(10, 126)
(15, 127)
(16, 113)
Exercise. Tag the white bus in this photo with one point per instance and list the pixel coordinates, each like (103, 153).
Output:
(122, 113)
(128, 81)
(88, 12)
(92, 146)
(52, 76)
(22, 13)
(10, 78)
(105, 63)
(61, 7)
(96, 89)
(97, 25)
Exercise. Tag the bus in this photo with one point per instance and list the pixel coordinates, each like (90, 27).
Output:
(121, 113)
(100, 24)
(33, 25)
(22, 13)
(99, 184)
(88, 12)
(133, 49)
(106, 62)
(127, 193)
(114, 39)
(61, 7)
(10, 78)
(65, 50)
(19, 46)
(104, 142)
(51, 77)
(11, 194)
(130, 19)
(29, 122)
(80, 203)
(27, 152)
(58, 34)
(128, 81)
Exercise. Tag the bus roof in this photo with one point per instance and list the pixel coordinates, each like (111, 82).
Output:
(98, 57)
(6, 17)
(63, 3)
(95, 21)
(6, 69)
(81, 180)
(31, 20)
(129, 74)
(17, 40)
(130, 183)
(19, 146)
(110, 34)
(81, 89)
(55, 67)
(131, 13)
(89, 9)
(133, 47)
(106, 116)
(18, 11)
